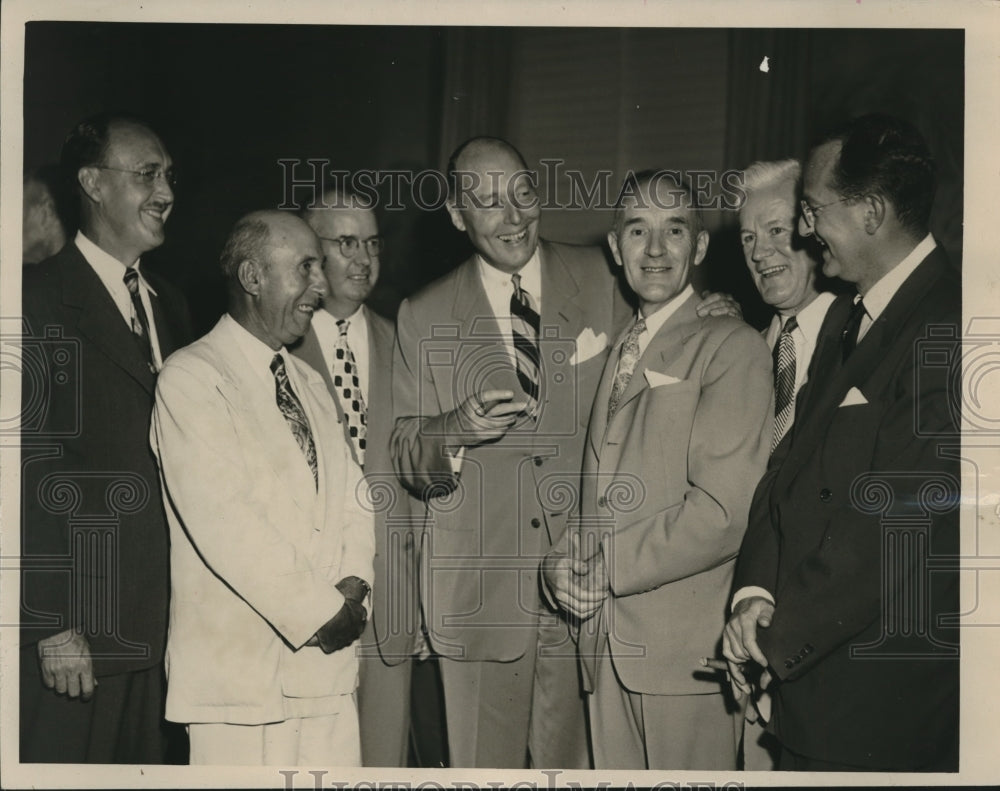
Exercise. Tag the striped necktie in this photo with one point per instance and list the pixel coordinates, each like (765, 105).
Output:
(345, 379)
(784, 381)
(294, 414)
(525, 325)
(140, 321)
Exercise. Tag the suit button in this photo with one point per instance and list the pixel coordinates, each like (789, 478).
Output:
(789, 664)
(807, 649)
(538, 461)
(826, 495)
(601, 501)
(536, 522)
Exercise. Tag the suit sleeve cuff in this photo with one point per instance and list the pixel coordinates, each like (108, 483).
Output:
(747, 592)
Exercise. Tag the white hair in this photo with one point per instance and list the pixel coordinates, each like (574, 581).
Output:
(759, 175)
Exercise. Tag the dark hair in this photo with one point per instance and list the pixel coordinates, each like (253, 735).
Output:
(246, 240)
(87, 143)
(485, 140)
(886, 156)
(633, 181)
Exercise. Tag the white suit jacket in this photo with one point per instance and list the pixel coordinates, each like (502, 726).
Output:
(256, 548)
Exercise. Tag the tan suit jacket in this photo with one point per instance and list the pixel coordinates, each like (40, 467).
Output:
(256, 549)
(667, 486)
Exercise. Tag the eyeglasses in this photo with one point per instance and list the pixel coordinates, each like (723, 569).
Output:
(147, 176)
(810, 212)
(349, 245)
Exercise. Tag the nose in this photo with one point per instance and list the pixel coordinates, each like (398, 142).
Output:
(762, 248)
(162, 188)
(805, 229)
(654, 246)
(317, 280)
(511, 212)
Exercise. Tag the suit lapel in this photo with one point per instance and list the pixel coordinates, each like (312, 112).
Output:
(833, 378)
(559, 294)
(100, 320)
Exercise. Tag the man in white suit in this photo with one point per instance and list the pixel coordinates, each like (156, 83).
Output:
(271, 548)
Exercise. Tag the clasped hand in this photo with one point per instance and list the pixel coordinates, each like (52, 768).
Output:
(579, 584)
(348, 624)
(484, 416)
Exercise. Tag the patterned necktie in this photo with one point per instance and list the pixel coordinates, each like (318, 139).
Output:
(784, 381)
(140, 321)
(525, 325)
(849, 337)
(626, 364)
(291, 408)
(345, 379)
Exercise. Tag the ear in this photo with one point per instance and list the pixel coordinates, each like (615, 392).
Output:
(700, 247)
(456, 215)
(874, 213)
(88, 178)
(613, 244)
(249, 275)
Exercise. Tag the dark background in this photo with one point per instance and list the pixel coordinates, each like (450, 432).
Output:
(231, 100)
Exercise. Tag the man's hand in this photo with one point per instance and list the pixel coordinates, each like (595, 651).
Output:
(579, 585)
(739, 639)
(342, 629)
(483, 417)
(718, 304)
(66, 666)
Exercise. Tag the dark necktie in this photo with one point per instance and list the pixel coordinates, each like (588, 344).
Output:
(629, 356)
(525, 326)
(291, 408)
(784, 381)
(345, 379)
(849, 337)
(140, 321)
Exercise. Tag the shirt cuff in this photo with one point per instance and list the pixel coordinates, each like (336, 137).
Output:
(455, 459)
(747, 592)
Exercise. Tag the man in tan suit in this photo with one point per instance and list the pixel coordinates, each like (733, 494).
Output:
(346, 327)
(678, 438)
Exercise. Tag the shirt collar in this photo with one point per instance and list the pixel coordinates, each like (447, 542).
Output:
(108, 268)
(257, 352)
(879, 295)
(659, 317)
(531, 276)
(811, 316)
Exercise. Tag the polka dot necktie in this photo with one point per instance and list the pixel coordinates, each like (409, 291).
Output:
(348, 386)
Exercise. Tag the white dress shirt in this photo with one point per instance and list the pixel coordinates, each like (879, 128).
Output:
(804, 336)
(111, 271)
(499, 287)
(879, 295)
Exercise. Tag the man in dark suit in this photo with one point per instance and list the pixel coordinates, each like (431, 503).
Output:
(94, 537)
(348, 333)
(846, 586)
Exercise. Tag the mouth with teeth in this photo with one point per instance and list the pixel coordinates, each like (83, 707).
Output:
(655, 270)
(771, 271)
(158, 212)
(513, 238)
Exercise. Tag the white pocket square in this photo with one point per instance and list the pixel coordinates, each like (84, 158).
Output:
(588, 345)
(854, 397)
(656, 379)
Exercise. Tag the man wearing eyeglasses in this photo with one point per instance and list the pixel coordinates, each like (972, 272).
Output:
(847, 584)
(351, 346)
(94, 537)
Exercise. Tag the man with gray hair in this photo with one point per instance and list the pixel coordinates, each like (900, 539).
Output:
(783, 267)
(271, 548)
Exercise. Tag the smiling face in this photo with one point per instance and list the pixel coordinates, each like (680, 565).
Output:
(351, 280)
(287, 282)
(657, 241)
(127, 215)
(838, 225)
(782, 270)
(496, 205)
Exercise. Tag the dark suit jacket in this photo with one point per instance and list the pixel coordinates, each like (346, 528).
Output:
(844, 530)
(94, 535)
(396, 612)
(485, 533)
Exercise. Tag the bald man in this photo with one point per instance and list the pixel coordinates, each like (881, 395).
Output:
(271, 546)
